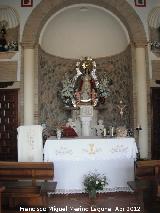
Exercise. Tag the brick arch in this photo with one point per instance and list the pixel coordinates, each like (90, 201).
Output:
(46, 8)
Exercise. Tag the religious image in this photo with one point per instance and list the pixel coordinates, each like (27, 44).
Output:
(85, 88)
(80, 106)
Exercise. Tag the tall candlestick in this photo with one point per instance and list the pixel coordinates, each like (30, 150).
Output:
(112, 131)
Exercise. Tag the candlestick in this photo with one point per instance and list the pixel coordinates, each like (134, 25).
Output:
(112, 131)
(138, 127)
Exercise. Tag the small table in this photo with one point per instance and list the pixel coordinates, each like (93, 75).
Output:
(47, 187)
(2, 188)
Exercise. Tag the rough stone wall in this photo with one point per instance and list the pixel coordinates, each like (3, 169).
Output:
(51, 71)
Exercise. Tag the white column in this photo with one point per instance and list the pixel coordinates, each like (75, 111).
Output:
(142, 116)
(86, 115)
(86, 126)
(28, 86)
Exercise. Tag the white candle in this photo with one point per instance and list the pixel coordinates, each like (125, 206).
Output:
(112, 131)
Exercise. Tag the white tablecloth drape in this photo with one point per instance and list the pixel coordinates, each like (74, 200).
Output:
(30, 143)
(74, 158)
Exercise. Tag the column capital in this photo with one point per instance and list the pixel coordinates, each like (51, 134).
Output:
(138, 44)
(28, 45)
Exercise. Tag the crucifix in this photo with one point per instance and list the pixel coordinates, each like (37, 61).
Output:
(121, 106)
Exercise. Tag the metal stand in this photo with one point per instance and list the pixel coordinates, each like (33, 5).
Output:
(138, 128)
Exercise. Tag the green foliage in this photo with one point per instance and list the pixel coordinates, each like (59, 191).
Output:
(94, 181)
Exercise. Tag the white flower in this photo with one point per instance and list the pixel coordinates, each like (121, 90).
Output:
(103, 87)
(67, 91)
(97, 182)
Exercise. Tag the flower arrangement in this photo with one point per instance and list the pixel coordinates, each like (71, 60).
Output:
(94, 181)
(67, 92)
(59, 125)
(13, 45)
(103, 87)
(59, 129)
(155, 45)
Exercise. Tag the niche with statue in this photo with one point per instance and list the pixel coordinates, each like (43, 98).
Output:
(154, 30)
(57, 94)
(9, 29)
(85, 88)
(84, 92)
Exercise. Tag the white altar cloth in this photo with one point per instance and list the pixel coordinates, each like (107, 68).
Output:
(74, 158)
(30, 143)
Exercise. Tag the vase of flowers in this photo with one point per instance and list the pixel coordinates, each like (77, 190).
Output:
(92, 194)
(59, 129)
(94, 182)
(59, 133)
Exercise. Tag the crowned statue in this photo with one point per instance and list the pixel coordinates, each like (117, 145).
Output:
(85, 82)
(86, 89)
(83, 93)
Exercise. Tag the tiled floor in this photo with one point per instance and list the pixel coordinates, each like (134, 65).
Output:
(114, 202)
(104, 203)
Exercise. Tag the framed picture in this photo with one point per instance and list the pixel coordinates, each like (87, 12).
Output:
(140, 3)
(26, 3)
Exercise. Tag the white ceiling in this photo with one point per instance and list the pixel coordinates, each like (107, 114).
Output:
(83, 30)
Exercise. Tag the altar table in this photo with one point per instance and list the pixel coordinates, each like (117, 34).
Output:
(75, 157)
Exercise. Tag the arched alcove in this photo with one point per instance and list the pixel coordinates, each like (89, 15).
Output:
(47, 8)
(154, 30)
(83, 29)
(9, 28)
(135, 58)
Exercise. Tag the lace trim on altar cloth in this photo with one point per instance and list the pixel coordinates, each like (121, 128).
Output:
(73, 191)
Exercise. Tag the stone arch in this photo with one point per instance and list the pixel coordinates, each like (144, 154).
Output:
(46, 8)
(124, 11)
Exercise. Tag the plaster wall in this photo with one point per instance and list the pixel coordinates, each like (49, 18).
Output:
(143, 13)
(82, 30)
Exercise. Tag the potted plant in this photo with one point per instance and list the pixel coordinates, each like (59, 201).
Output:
(94, 182)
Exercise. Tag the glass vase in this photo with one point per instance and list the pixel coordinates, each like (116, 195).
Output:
(59, 133)
(92, 194)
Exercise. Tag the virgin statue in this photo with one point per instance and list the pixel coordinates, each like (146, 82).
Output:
(85, 83)
(86, 89)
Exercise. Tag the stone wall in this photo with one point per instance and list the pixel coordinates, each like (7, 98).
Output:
(51, 72)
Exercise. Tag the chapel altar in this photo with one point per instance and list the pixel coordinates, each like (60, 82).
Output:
(90, 151)
(112, 157)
